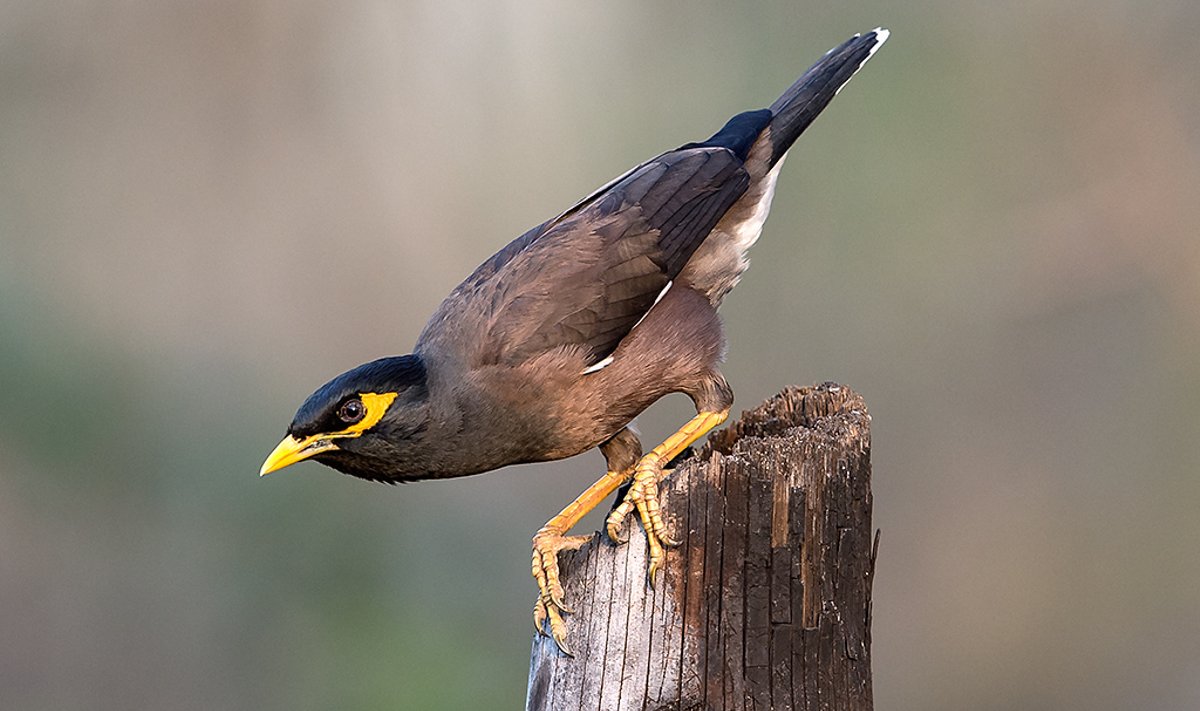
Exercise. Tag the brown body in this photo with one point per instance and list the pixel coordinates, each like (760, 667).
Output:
(677, 348)
(677, 345)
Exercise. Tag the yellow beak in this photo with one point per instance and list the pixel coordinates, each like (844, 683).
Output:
(292, 450)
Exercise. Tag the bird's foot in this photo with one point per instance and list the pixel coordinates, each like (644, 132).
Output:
(549, 608)
(643, 496)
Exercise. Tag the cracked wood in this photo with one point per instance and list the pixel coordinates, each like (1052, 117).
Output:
(764, 605)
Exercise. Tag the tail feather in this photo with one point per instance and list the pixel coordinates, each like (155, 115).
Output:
(807, 98)
(761, 139)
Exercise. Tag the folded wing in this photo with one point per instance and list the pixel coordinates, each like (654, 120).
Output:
(587, 277)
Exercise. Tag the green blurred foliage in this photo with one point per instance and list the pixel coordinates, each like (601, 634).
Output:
(208, 209)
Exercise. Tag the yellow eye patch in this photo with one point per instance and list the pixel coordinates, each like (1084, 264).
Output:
(376, 405)
(292, 450)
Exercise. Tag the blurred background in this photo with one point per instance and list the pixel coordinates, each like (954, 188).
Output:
(208, 209)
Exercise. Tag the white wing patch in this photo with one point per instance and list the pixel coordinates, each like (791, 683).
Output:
(657, 299)
(599, 366)
(608, 361)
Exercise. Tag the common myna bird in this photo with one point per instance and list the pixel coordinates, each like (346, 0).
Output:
(557, 342)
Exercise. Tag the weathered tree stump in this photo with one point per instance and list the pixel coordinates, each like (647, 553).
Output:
(766, 604)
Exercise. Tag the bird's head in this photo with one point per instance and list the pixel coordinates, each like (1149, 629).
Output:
(361, 422)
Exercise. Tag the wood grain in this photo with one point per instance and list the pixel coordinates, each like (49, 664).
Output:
(765, 604)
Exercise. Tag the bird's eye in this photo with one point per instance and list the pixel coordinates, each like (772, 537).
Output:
(351, 411)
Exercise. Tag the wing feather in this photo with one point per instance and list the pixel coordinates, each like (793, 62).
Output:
(586, 278)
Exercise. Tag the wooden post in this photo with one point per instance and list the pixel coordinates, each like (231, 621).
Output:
(766, 604)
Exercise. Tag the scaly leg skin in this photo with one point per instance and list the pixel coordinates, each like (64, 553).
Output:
(550, 540)
(643, 494)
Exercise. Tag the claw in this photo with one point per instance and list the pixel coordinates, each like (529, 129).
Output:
(639, 492)
(558, 631)
(539, 617)
(643, 497)
(558, 602)
(616, 517)
(614, 534)
(549, 608)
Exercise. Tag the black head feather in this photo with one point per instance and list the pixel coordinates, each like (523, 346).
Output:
(397, 374)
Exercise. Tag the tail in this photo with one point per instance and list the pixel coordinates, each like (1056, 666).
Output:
(762, 137)
(808, 97)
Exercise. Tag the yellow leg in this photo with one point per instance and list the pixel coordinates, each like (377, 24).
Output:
(643, 494)
(550, 540)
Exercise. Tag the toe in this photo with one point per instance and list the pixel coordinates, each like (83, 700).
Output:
(614, 521)
(558, 631)
(539, 616)
(614, 534)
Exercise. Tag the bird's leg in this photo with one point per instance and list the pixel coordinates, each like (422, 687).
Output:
(643, 494)
(550, 540)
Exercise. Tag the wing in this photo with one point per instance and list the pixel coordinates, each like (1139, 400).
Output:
(587, 277)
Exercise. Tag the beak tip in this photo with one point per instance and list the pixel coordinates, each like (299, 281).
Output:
(292, 450)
